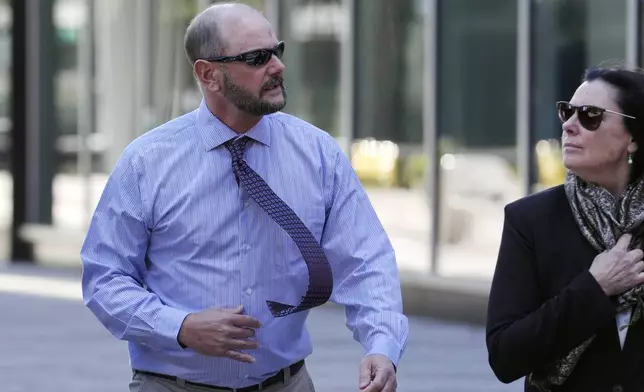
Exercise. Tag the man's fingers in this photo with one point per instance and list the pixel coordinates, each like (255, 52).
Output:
(239, 344)
(242, 320)
(379, 381)
(241, 332)
(391, 385)
(238, 310)
(239, 356)
(365, 375)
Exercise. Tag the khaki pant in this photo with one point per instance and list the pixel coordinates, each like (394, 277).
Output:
(301, 382)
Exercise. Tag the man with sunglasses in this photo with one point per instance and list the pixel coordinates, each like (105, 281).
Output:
(218, 231)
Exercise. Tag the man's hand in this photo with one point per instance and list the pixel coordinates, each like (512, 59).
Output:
(377, 374)
(220, 333)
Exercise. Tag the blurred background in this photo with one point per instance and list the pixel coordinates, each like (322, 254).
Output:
(445, 108)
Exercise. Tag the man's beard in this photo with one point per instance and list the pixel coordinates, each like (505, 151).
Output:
(247, 102)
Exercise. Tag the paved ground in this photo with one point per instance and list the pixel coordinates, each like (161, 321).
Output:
(50, 342)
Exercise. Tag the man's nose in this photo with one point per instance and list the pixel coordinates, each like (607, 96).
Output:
(276, 65)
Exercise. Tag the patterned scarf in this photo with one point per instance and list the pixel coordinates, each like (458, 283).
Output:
(602, 220)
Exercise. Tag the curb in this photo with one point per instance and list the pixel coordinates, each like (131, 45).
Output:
(459, 300)
(454, 299)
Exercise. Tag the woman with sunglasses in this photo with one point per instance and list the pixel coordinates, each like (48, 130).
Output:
(567, 296)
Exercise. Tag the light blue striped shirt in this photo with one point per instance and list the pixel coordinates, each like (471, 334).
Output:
(173, 234)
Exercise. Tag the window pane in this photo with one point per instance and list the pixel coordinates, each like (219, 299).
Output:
(388, 153)
(312, 31)
(476, 131)
(563, 48)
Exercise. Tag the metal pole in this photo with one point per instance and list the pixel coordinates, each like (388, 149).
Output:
(347, 77)
(272, 13)
(632, 33)
(116, 99)
(41, 125)
(430, 133)
(20, 249)
(34, 126)
(85, 107)
(143, 65)
(524, 149)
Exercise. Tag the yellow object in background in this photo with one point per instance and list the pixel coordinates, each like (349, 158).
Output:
(379, 163)
(375, 162)
(549, 163)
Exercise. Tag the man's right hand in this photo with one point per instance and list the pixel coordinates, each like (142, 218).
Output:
(618, 269)
(220, 333)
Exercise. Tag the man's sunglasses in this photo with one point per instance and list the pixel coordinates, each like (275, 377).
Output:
(590, 117)
(254, 58)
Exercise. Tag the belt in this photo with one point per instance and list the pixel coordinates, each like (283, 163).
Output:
(279, 377)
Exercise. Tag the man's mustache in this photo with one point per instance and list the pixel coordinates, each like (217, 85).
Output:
(275, 81)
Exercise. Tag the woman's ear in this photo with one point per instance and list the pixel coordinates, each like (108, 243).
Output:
(632, 146)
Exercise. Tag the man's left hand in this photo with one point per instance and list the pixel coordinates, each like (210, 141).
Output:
(377, 374)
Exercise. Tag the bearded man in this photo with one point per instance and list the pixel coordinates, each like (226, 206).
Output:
(218, 231)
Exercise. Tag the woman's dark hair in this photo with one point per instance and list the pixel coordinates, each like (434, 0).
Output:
(630, 99)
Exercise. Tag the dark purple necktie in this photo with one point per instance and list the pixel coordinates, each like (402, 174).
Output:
(320, 276)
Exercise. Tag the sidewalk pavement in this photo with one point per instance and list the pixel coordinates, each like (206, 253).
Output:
(49, 341)
(458, 292)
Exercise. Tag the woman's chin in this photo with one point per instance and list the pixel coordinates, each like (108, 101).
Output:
(574, 164)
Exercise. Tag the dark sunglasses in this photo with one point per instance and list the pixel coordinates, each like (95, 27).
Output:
(254, 58)
(590, 117)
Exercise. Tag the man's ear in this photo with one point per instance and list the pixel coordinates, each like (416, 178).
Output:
(208, 74)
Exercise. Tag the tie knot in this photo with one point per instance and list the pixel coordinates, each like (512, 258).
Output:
(237, 148)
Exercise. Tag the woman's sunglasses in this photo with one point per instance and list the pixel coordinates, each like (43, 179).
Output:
(254, 58)
(590, 117)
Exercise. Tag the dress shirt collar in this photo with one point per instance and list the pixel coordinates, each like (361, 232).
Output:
(214, 133)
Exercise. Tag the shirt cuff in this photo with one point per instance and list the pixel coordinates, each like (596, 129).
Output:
(168, 324)
(387, 347)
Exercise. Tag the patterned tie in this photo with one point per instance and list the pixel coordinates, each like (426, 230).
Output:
(320, 276)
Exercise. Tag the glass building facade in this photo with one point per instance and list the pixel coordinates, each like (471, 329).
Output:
(445, 107)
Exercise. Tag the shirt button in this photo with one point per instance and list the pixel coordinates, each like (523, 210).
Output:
(249, 291)
(247, 376)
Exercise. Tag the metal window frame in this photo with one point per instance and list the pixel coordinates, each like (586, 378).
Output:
(272, 10)
(348, 78)
(524, 151)
(633, 25)
(430, 132)
(275, 10)
(523, 131)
